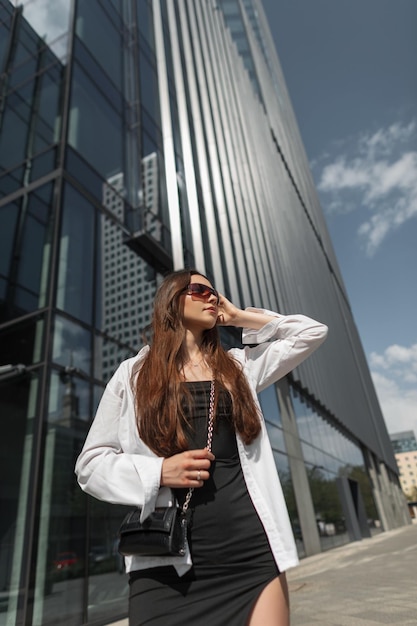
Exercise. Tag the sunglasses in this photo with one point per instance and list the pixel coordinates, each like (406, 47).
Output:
(197, 291)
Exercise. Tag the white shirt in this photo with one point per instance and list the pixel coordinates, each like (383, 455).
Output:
(116, 466)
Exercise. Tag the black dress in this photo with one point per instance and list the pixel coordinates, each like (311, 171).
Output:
(232, 560)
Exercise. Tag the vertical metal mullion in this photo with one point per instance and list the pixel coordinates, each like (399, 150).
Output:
(232, 76)
(168, 140)
(215, 145)
(39, 435)
(191, 188)
(200, 109)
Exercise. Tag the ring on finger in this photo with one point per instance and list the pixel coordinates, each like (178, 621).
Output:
(199, 475)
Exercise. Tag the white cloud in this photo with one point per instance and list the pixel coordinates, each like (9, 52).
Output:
(394, 373)
(50, 20)
(400, 360)
(381, 176)
(399, 407)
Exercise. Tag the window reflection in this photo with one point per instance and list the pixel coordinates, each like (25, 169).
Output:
(22, 343)
(96, 132)
(9, 217)
(328, 454)
(61, 539)
(270, 407)
(106, 568)
(72, 345)
(51, 25)
(18, 401)
(75, 274)
(108, 354)
(31, 236)
(34, 250)
(125, 290)
(101, 34)
(276, 437)
(281, 461)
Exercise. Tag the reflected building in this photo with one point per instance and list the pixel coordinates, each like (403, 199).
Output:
(405, 450)
(127, 284)
(138, 136)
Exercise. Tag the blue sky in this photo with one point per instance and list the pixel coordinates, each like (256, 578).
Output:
(351, 71)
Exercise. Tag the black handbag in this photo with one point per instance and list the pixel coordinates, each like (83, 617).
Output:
(164, 531)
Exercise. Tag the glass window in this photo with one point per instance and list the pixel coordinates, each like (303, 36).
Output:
(269, 404)
(18, 409)
(108, 355)
(303, 417)
(75, 273)
(8, 217)
(72, 345)
(13, 136)
(24, 60)
(309, 453)
(101, 36)
(42, 164)
(124, 274)
(69, 400)
(34, 250)
(50, 21)
(61, 562)
(106, 568)
(276, 437)
(22, 342)
(5, 23)
(149, 83)
(281, 461)
(328, 508)
(327, 453)
(48, 119)
(95, 131)
(84, 174)
(12, 181)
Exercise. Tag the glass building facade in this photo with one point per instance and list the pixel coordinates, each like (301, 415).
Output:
(139, 136)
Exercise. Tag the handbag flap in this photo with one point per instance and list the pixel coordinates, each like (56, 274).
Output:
(160, 520)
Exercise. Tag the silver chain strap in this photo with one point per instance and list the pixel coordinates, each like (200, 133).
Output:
(210, 428)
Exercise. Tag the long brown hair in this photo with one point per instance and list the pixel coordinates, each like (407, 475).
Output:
(159, 407)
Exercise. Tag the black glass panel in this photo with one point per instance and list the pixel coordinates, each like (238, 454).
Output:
(8, 217)
(14, 134)
(75, 277)
(18, 400)
(95, 27)
(95, 131)
(106, 569)
(22, 342)
(12, 181)
(72, 345)
(34, 250)
(270, 407)
(61, 561)
(84, 174)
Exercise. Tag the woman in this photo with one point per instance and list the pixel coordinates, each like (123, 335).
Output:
(147, 445)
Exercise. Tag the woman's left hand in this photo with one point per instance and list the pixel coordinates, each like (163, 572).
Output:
(228, 313)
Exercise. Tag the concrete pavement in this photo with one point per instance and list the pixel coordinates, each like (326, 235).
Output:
(365, 583)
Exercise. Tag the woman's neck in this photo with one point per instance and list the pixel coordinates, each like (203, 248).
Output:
(195, 367)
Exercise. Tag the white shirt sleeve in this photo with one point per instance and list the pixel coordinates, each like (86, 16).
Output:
(283, 343)
(111, 466)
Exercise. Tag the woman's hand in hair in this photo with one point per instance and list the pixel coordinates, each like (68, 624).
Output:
(186, 469)
(231, 315)
(228, 313)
